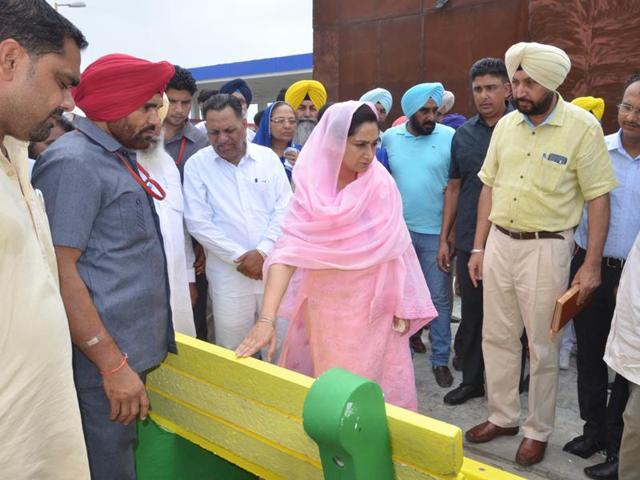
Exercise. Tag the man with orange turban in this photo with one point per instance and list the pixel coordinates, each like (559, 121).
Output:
(306, 97)
(113, 273)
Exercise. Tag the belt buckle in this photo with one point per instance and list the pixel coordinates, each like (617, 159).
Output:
(614, 262)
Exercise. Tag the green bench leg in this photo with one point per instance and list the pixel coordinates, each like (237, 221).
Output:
(162, 455)
(345, 415)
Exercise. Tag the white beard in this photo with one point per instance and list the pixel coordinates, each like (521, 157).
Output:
(155, 158)
(303, 130)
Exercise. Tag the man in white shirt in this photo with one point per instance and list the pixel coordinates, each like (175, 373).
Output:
(623, 356)
(178, 248)
(235, 197)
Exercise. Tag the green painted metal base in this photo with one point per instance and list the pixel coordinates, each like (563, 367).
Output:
(345, 415)
(162, 455)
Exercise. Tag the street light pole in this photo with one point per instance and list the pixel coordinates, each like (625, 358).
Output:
(69, 4)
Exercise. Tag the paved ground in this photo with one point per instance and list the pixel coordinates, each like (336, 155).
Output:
(557, 465)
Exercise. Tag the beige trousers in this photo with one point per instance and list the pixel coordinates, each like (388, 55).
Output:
(522, 280)
(630, 449)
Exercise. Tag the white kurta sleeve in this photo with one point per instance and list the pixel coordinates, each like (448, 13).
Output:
(190, 256)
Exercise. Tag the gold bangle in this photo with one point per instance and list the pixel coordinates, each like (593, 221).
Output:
(269, 320)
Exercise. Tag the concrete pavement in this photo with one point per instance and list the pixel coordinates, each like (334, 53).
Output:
(501, 452)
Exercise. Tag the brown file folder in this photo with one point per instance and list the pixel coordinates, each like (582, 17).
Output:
(567, 308)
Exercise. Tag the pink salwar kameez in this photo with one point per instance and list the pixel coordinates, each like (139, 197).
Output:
(356, 268)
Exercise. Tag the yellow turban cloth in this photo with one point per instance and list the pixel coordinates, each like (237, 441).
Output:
(546, 64)
(591, 104)
(299, 90)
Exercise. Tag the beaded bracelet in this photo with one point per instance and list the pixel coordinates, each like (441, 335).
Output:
(117, 369)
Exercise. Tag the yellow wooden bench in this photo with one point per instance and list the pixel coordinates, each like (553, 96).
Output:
(250, 413)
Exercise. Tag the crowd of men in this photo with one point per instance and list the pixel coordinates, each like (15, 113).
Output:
(132, 222)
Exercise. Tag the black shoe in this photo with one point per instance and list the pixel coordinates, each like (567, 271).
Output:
(463, 393)
(604, 471)
(443, 375)
(416, 344)
(457, 363)
(583, 446)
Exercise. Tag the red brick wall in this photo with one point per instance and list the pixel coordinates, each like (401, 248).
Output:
(362, 44)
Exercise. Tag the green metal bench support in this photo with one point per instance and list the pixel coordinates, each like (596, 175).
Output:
(345, 415)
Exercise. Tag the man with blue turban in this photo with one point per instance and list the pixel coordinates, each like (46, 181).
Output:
(419, 152)
(382, 100)
(240, 89)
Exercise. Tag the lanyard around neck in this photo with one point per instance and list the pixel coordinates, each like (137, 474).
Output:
(183, 144)
(158, 194)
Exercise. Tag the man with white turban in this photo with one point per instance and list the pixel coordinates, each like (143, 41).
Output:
(382, 100)
(419, 154)
(544, 161)
(448, 100)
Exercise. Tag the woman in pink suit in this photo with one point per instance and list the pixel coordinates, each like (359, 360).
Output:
(344, 271)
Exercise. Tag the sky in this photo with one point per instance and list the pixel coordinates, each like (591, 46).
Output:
(194, 33)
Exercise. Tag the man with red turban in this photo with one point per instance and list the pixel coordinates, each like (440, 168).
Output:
(113, 273)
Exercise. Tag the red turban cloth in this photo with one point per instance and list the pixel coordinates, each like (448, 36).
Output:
(115, 85)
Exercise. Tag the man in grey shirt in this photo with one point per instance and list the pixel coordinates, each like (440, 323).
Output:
(182, 138)
(113, 276)
(491, 89)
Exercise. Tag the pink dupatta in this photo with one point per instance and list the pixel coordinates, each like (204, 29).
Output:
(359, 229)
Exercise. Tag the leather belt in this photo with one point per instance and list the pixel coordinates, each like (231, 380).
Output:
(529, 235)
(610, 262)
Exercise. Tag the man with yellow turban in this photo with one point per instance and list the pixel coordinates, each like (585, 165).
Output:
(306, 97)
(544, 161)
(591, 104)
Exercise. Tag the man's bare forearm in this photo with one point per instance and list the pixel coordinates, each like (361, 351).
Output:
(451, 196)
(598, 227)
(483, 225)
(85, 324)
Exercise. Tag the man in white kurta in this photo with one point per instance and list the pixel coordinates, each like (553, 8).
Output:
(623, 356)
(40, 423)
(235, 197)
(40, 427)
(178, 248)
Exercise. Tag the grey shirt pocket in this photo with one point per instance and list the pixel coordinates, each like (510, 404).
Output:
(132, 215)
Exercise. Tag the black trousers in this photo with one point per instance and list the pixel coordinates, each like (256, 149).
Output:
(200, 309)
(469, 335)
(602, 421)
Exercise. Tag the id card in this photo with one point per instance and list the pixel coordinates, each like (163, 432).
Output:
(555, 158)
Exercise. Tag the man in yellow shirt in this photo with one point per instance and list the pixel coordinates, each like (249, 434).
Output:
(40, 423)
(545, 160)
